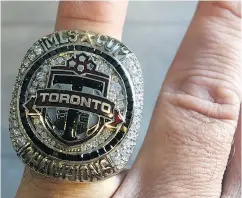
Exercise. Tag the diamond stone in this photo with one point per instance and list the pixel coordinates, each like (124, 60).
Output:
(45, 68)
(37, 50)
(101, 139)
(95, 143)
(117, 87)
(90, 66)
(139, 97)
(88, 146)
(26, 62)
(41, 76)
(44, 135)
(103, 68)
(32, 90)
(42, 85)
(59, 60)
(37, 121)
(120, 105)
(35, 83)
(13, 109)
(52, 62)
(82, 58)
(125, 157)
(129, 143)
(19, 78)
(83, 147)
(80, 68)
(39, 129)
(136, 79)
(22, 70)
(138, 111)
(139, 89)
(52, 143)
(112, 96)
(72, 63)
(13, 124)
(120, 166)
(120, 97)
(108, 71)
(133, 69)
(47, 140)
(115, 78)
(21, 141)
(136, 126)
(16, 132)
(31, 56)
(15, 145)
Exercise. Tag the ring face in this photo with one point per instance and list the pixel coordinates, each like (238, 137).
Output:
(76, 106)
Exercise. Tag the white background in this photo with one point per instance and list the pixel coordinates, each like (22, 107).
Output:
(153, 30)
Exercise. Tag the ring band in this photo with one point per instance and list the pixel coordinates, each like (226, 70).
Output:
(76, 106)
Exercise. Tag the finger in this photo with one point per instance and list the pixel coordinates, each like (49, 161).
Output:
(189, 139)
(232, 178)
(38, 186)
(101, 17)
(105, 17)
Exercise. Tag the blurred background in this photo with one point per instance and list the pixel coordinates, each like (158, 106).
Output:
(153, 30)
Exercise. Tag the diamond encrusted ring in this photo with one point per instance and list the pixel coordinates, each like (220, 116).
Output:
(76, 106)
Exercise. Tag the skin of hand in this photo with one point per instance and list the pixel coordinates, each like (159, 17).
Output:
(187, 147)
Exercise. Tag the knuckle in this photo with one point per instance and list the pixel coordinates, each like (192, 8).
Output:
(233, 8)
(215, 90)
(224, 9)
(207, 95)
(211, 85)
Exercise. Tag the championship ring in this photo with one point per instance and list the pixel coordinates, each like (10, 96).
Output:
(76, 106)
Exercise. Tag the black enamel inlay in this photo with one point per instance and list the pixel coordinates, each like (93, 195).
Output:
(119, 135)
(71, 47)
(59, 50)
(101, 151)
(52, 53)
(113, 142)
(130, 105)
(94, 154)
(88, 156)
(108, 147)
(129, 115)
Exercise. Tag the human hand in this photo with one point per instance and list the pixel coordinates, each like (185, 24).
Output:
(187, 147)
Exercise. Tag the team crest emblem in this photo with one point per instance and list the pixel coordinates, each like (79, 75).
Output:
(73, 104)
